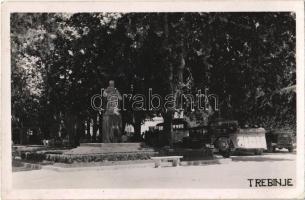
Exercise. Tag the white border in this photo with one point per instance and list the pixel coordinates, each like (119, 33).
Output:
(148, 6)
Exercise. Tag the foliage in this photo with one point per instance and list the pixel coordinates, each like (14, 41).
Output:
(98, 157)
(33, 156)
(59, 61)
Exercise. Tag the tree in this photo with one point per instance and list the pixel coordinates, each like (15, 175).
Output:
(60, 61)
(31, 46)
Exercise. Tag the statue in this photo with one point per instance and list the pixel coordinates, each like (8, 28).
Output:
(112, 121)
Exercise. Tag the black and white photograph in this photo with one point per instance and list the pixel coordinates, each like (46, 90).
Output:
(148, 100)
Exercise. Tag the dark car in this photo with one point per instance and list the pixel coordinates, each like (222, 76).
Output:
(219, 131)
(197, 138)
(280, 138)
(215, 135)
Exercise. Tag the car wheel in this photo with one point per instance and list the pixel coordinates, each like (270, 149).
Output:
(223, 144)
(258, 152)
(226, 154)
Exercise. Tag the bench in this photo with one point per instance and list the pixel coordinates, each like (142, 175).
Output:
(158, 160)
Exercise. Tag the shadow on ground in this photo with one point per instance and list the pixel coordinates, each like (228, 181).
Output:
(259, 159)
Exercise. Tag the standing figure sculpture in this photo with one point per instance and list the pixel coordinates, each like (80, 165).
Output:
(112, 121)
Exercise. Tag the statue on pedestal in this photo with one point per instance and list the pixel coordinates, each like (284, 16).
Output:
(112, 121)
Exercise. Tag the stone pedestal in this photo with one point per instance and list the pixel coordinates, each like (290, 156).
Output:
(113, 145)
(109, 148)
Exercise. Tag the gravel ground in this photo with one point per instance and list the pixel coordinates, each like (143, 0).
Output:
(233, 174)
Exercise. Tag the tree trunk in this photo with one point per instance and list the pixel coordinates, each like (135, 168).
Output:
(168, 116)
(78, 131)
(70, 125)
(137, 127)
(168, 127)
(181, 65)
(87, 137)
(94, 128)
(22, 134)
(100, 127)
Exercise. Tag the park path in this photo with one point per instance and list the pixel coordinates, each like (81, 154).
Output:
(233, 174)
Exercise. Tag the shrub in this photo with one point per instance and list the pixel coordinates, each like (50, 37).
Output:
(63, 158)
(33, 156)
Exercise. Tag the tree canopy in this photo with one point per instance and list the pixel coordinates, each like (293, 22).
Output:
(59, 61)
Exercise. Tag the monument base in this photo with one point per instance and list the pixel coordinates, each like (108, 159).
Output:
(113, 145)
(106, 148)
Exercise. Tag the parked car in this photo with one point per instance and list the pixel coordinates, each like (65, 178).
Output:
(280, 138)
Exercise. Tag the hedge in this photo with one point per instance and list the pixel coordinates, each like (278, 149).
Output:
(37, 156)
(33, 156)
(66, 158)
